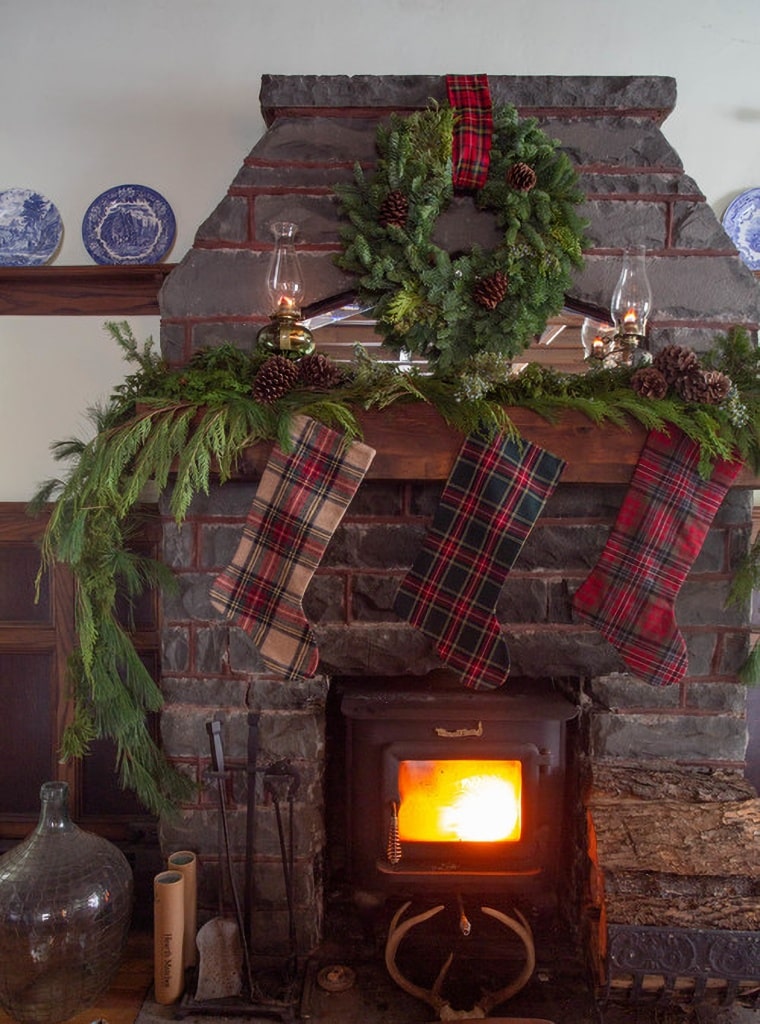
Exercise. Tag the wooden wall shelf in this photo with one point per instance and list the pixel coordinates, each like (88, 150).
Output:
(82, 290)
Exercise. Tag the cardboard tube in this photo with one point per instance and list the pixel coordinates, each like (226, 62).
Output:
(168, 931)
(186, 863)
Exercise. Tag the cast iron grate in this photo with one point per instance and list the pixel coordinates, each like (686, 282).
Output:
(668, 965)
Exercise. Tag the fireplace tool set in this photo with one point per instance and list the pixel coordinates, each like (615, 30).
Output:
(270, 992)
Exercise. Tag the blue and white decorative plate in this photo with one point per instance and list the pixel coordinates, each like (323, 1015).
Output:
(31, 228)
(128, 224)
(742, 223)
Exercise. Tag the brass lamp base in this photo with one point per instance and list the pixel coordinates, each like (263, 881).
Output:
(285, 336)
(620, 349)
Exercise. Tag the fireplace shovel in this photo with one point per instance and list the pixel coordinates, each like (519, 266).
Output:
(222, 945)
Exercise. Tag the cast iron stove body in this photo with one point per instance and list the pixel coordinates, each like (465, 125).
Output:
(401, 727)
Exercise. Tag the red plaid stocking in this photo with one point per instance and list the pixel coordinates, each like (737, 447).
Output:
(494, 495)
(299, 503)
(660, 528)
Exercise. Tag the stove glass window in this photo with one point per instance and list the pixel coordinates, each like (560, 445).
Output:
(460, 801)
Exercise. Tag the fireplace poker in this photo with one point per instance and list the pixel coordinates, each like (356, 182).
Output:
(250, 822)
(283, 770)
(214, 729)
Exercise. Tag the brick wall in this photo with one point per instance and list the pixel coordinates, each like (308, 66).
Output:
(319, 127)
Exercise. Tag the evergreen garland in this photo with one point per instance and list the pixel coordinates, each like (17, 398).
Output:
(448, 307)
(193, 425)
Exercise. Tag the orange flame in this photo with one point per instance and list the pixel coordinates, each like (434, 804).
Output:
(460, 801)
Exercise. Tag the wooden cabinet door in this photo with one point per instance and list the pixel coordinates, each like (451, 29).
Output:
(36, 638)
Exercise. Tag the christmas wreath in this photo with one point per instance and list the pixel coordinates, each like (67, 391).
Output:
(448, 307)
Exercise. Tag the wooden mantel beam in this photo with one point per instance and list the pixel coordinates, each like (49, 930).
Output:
(414, 443)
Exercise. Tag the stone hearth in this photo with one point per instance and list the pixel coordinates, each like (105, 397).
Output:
(637, 192)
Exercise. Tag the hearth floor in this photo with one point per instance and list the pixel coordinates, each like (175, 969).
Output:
(557, 995)
(558, 992)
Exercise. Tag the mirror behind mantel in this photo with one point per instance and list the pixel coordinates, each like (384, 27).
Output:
(341, 323)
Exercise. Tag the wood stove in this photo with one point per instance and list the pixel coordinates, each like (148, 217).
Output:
(450, 789)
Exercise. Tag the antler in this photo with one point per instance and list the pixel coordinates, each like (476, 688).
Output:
(433, 996)
(396, 933)
(521, 928)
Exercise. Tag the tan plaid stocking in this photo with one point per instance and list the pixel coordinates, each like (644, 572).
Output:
(299, 503)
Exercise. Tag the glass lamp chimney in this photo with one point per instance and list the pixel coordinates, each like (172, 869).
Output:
(284, 279)
(632, 298)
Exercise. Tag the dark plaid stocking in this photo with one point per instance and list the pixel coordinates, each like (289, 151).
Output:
(494, 494)
(470, 98)
(299, 502)
(659, 531)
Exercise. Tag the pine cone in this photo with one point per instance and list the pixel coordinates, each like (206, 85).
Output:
(718, 386)
(710, 387)
(316, 371)
(275, 378)
(675, 360)
(394, 210)
(521, 177)
(488, 292)
(693, 385)
(649, 383)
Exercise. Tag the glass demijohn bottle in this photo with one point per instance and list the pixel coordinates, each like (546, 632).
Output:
(65, 910)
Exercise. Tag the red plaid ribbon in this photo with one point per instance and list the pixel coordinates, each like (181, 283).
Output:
(470, 97)
(299, 503)
(495, 493)
(659, 531)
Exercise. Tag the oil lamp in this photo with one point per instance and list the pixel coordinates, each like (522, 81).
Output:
(598, 340)
(631, 303)
(284, 334)
(622, 343)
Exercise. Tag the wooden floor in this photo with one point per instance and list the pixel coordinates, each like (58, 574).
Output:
(122, 1002)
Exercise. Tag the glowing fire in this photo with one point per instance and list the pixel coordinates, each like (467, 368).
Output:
(460, 801)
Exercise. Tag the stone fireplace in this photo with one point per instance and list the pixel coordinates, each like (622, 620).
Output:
(689, 741)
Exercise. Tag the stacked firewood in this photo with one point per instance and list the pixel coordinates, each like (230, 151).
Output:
(671, 848)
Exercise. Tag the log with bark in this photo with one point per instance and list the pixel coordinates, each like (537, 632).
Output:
(671, 847)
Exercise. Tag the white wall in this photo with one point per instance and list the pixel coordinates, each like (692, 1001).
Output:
(164, 93)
